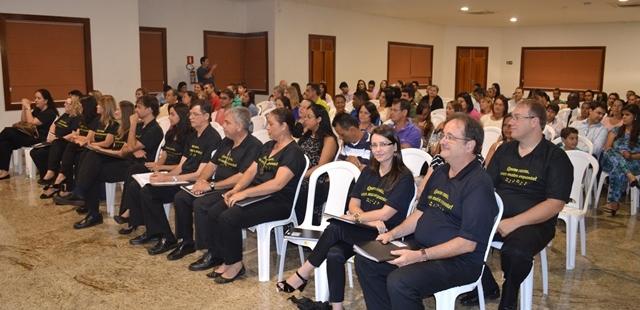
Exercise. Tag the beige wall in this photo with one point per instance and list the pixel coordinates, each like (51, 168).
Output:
(114, 41)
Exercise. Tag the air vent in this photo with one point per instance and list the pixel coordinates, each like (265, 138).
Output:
(485, 12)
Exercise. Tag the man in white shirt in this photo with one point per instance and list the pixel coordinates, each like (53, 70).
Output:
(592, 127)
(517, 96)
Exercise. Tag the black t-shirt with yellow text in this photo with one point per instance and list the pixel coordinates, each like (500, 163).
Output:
(231, 161)
(291, 156)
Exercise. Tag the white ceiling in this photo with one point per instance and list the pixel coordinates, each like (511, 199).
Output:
(528, 12)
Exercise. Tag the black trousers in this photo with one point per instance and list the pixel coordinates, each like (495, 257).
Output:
(151, 202)
(70, 164)
(189, 208)
(386, 286)
(336, 246)
(131, 184)
(227, 223)
(95, 170)
(12, 139)
(516, 258)
(49, 158)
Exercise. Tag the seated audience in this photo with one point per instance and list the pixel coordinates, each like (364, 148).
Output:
(380, 198)
(518, 94)
(283, 102)
(324, 95)
(533, 177)
(498, 112)
(249, 102)
(146, 204)
(485, 105)
(409, 135)
(368, 117)
(423, 120)
(556, 124)
(614, 116)
(226, 96)
(450, 228)
(31, 129)
(313, 94)
(569, 136)
(621, 157)
(276, 172)
(356, 144)
(592, 127)
(344, 91)
(435, 102)
(340, 103)
(464, 99)
(504, 137)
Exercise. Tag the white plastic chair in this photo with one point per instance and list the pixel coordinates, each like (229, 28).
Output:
(563, 115)
(634, 199)
(262, 135)
(549, 133)
(348, 106)
(573, 214)
(259, 122)
(437, 119)
(341, 174)
(440, 112)
(263, 232)
(491, 135)
(414, 159)
(583, 143)
(218, 128)
(446, 299)
(17, 160)
(164, 123)
(29, 166)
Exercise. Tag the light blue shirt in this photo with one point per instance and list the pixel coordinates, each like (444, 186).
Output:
(596, 133)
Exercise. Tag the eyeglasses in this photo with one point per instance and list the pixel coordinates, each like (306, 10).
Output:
(195, 114)
(518, 117)
(450, 137)
(224, 98)
(381, 144)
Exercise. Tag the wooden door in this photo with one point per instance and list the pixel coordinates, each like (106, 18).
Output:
(471, 67)
(322, 61)
(153, 58)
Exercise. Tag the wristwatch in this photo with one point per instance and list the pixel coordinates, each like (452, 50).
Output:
(175, 178)
(423, 251)
(356, 217)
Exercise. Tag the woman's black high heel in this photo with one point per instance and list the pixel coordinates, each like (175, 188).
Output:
(290, 289)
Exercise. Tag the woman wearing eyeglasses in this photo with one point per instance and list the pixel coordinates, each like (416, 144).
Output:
(379, 199)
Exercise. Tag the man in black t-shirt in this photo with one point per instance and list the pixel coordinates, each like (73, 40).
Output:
(205, 72)
(451, 228)
(534, 178)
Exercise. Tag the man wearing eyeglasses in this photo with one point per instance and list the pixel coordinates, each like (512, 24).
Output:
(533, 177)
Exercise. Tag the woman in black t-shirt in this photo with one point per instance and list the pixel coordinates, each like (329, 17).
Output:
(31, 129)
(276, 172)
(47, 158)
(380, 199)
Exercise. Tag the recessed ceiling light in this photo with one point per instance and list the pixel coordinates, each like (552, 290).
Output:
(513, 19)
(623, 0)
(464, 9)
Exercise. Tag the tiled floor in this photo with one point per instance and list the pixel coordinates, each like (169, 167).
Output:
(45, 264)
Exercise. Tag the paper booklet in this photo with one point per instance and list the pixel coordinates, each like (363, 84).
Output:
(143, 179)
(378, 252)
(188, 188)
(333, 218)
(102, 151)
(303, 234)
(245, 202)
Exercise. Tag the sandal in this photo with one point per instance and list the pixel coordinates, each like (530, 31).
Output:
(56, 189)
(287, 288)
(607, 209)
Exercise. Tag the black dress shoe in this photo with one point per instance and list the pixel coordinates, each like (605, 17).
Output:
(471, 298)
(213, 275)
(121, 220)
(82, 210)
(127, 230)
(206, 261)
(181, 251)
(223, 280)
(162, 246)
(142, 239)
(69, 200)
(88, 221)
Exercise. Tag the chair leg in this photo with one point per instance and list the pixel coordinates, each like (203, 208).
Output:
(480, 295)
(167, 208)
(445, 300)
(321, 282)
(282, 257)
(29, 165)
(583, 237)
(526, 292)
(350, 273)
(264, 242)
(110, 193)
(603, 176)
(545, 271)
(301, 253)
(572, 235)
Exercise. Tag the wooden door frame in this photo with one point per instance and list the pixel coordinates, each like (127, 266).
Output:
(486, 65)
(163, 33)
(333, 39)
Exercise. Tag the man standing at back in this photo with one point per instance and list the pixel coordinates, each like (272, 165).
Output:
(205, 71)
(533, 177)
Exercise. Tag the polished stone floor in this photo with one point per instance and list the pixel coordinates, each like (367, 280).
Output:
(45, 264)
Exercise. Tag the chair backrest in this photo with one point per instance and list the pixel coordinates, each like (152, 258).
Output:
(259, 122)
(262, 135)
(441, 112)
(491, 135)
(218, 128)
(437, 119)
(414, 159)
(581, 161)
(159, 150)
(549, 133)
(584, 144)
(164, 123)
(293, 217)
(495, 227)
(341, 174)
(348, 106)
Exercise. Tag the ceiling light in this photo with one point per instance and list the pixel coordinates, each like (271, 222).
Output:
(513, 19)
(623, 0)
(464, 9)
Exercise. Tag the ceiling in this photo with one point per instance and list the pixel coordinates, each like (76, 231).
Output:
(528, 12)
